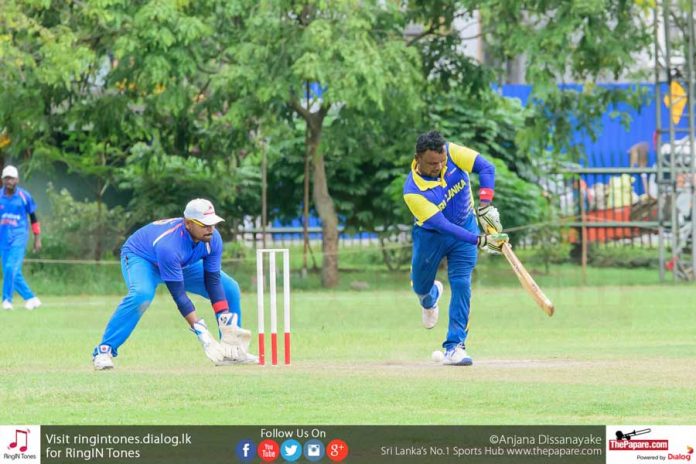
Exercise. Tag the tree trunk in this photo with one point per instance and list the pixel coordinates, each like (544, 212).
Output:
(329, 222)
(320, 193)
(326, 210)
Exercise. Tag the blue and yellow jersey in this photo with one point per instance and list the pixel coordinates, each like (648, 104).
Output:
(450, 193)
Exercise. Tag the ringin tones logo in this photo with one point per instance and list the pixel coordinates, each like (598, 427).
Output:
(20, 444)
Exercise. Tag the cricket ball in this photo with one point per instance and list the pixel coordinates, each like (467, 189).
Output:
(438, 356)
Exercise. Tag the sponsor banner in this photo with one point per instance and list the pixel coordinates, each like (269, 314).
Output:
(630, 444)
(327, 444)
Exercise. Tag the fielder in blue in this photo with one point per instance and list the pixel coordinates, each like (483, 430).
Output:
(16, 204)
(185, 254)
(437, 192)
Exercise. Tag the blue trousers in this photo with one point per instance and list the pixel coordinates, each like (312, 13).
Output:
(12, 258)
(429, 248)
(142, 279)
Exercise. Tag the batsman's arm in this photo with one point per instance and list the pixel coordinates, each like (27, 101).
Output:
(428, 213)
(472, 161)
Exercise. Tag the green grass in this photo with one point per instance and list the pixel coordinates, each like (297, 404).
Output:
(359, 266)
(610, 355)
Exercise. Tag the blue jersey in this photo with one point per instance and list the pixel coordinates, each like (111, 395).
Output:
(449, 193)
(14, 230)
(169, 246)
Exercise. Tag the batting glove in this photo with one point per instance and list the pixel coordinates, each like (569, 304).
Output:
(213, 350)
(492, 243)
(489, 219)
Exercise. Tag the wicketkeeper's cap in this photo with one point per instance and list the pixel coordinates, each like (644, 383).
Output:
(10, 171)
(202, 211)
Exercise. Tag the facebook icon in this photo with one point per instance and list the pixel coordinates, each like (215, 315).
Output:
(246, 450)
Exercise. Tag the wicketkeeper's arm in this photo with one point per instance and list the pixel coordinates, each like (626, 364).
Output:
(216, 292)
(178, 291)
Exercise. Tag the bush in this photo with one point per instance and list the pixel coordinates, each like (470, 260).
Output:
(81, 229)
(623, 256)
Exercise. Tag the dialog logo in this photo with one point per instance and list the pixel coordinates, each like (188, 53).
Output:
(681, 456)
(291, 450)
(314, 450)
(246, 450)
(269, 450)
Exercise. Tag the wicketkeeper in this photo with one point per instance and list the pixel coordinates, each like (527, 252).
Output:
(186, 254)
(438, 193)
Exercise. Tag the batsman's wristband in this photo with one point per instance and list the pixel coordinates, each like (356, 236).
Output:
(486, 194)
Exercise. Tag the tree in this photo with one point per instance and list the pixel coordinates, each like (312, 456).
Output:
(102, 84)
(355, 53)
(580, 42)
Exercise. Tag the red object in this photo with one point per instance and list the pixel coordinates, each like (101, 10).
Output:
(269, 450)
(486, 194)
(262, 350)
(337, 450)
(605, 234)
(36, 228)
(287, 347)
(274, 348)
(220, 306)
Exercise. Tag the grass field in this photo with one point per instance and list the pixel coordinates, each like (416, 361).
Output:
(609, 355)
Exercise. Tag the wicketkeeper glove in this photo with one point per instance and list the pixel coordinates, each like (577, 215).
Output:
(492, 243)
(489, 219)
(213, 350)
(235, 341)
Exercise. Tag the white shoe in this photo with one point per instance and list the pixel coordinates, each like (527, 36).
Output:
(457, 357)
(431, 315)
(32, 303)
(7, 305)
(103, 360)
(246, 358)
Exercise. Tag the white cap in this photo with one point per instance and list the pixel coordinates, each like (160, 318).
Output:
(202, 211)
(10, 171)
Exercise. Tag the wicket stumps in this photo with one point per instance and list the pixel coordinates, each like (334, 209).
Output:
(260, 277)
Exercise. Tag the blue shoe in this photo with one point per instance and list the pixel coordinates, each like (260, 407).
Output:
(457, 357)
(431, 315)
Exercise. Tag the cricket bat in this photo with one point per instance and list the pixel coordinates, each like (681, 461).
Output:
(527, 281)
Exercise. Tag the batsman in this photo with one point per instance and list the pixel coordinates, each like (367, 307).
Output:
(185, 254)
(438, 194)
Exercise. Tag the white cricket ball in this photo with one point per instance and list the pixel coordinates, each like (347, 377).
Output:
(438, 356)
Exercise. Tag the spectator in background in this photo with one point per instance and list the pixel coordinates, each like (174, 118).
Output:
(15, 205)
